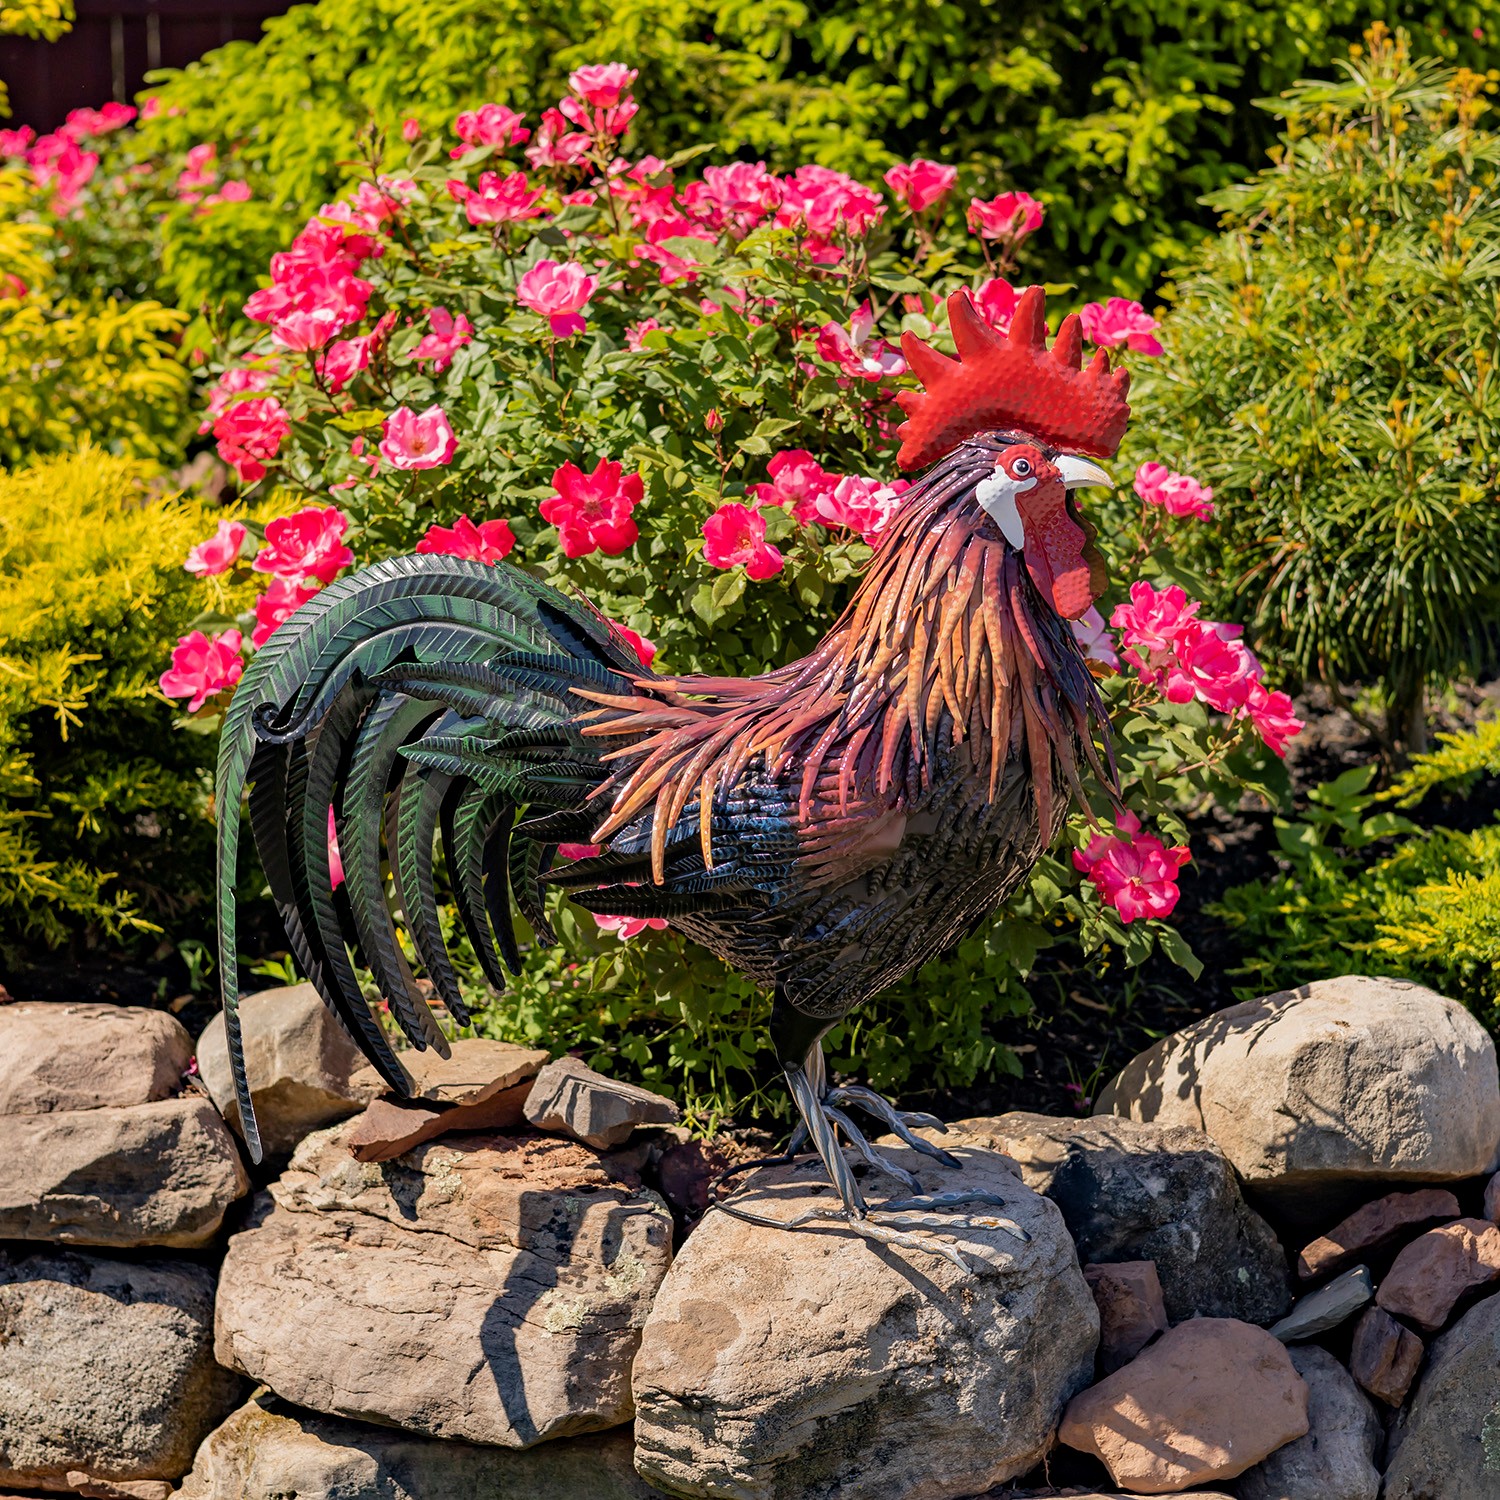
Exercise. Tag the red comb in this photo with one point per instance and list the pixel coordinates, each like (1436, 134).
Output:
(1010, 382)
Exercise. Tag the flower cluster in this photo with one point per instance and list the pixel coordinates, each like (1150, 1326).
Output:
(1177, 494)
(1133, 872)
(1187, 658)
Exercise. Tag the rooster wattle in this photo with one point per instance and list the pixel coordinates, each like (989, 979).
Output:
(825, 828)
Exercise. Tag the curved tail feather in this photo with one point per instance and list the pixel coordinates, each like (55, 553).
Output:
(424, 696)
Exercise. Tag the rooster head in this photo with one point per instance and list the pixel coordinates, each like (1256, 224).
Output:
(1036, 410)
(1029, 497)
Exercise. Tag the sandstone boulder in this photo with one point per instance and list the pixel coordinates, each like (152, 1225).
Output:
(1446, 1444)
(1320, 1092)
(162, 1173)
(811, 1364)
(1131, 1312)
(1430, 1276)
(66, 1057)
(1335, 1459)
(482, 1287)
(1206, 1401)
(107, 1376)
(1373, 1227)
(269, 1451)
(1384, 1356)
(1130, 1191)
(300, 1062)
(571, 1099)
(476, 1069)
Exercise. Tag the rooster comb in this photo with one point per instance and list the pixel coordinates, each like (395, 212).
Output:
(1010, 382)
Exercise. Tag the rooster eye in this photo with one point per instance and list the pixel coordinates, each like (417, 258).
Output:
(1021, 467)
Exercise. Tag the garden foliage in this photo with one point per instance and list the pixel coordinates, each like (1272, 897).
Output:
(1366, 885)
(104, 823)
(1331, 369)
(670, 386)
(1118, 117)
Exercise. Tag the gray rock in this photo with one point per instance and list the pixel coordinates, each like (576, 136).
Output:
(811, 1364)
(1130, 1191)
(148, 1174)
(482, 1287)
(299, 1060)
(107, 1376)
(1327, 1307)
(570, 1098)
(269, 1451)
(1318, 1094)
(52, 1057)
(1446, 1442)
(1336, 1458)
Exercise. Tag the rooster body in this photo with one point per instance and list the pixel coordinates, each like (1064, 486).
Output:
(825, 828)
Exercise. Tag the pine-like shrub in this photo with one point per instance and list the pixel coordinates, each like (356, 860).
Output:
(1330, 369)
(105, 831)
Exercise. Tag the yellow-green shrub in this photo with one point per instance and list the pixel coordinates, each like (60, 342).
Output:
(104, 826)
(70, 370)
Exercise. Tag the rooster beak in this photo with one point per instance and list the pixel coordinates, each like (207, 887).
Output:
(1077, 472)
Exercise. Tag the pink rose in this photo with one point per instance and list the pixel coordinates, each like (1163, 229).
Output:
(1120, 321)
(411, 129)
(1133, 872)
(736, 197)
(307, 544)
(219, 553)
(1211, 663)
(344, 360)
(1177, 494)
(602, 84)
(626, 928)
(1153, 621)
(203, 667)
(282, 599)
(418, 442)
(863, 505)
(638, 643)
(592, 511)
(735, 537)
(489, 125)
(635, 334)
(1009, 218)
(231, 383)
(797, 480)
(557, 291)
(555, 145)
(855, 352)
(1272, 716)
(920, 184)
(249, 435)
(487, 542)
(16, 142)
(996, 300)
(449, 335)
(302, 329)
(1094, 639)
(497, 199)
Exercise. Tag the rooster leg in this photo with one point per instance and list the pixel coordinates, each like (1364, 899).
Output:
(901, 1123)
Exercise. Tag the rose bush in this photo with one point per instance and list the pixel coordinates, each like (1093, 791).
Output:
(673, 391)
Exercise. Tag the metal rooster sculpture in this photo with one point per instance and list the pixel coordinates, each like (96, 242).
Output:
(825, 828)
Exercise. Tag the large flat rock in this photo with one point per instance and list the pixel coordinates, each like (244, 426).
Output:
(66, 1057)
(1205, 1402)
(1130, 1191)
(483, 1287)
(270, 1451)
(157, 1174)
(300, 1062)
(809, 1364)
(107, 1375)
(1319, 1093)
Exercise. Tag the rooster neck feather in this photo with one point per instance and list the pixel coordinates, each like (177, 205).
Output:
(852, 729)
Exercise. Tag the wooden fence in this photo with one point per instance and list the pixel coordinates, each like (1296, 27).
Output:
(113, 45)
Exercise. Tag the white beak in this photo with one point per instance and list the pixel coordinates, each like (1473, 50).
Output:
(1077, 472)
